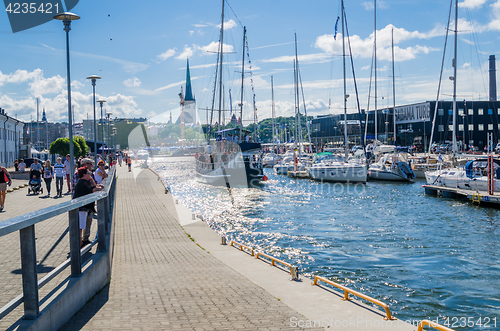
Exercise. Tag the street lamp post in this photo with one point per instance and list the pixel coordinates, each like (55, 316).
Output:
(102, 136)
(94, 78)
(67, 17)
(425, 139)
(108, 115)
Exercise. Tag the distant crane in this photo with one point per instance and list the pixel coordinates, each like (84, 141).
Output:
(182, 115)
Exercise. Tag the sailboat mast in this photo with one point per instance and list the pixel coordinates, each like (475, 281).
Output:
(242, 80)
(455, 84)
(394, 89)
(272, 111)
(220, 63)
(345, 88)
(375, 64)
(298, 127)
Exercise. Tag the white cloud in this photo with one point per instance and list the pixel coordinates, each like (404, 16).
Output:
(370, 6)
(170, 86)
(364, 47)
(128, 66)
(471, 4)
(213, 47)
(229, 25)
(169, 53)
(56, 106)
(188, 52)
(132, 82)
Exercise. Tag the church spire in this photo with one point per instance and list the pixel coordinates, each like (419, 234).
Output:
(189, 93)
(44, 117)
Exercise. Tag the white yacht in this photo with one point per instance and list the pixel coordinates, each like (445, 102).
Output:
(334, 168)
(288, 164)
(421, 164)
(392, 166)
(269, 160)
(472, 176)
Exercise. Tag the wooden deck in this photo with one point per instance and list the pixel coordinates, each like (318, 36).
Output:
(475, 196)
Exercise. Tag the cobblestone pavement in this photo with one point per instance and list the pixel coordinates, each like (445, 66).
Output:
(161, 280)
(52, 244)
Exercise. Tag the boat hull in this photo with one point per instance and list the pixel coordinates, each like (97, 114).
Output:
(228, 177)
(339, 174)
(462, 182)
(378, 174)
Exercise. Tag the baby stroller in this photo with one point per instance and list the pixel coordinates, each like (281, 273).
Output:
(35, 183)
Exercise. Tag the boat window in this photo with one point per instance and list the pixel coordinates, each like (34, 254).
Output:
(451, 173)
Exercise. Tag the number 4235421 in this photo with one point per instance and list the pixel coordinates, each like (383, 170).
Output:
(481, 322)
(32, 8)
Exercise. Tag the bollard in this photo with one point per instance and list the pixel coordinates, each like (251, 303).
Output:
(294, 271)
(176, 201)
(193, 216)
(223, 242)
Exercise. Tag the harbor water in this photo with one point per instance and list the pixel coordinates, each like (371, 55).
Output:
(426, 257)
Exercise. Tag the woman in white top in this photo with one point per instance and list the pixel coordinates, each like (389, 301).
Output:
(100, 173)
(48, 174)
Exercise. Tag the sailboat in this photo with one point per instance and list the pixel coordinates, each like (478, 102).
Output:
(340, 170)
(293, 162)
(476, 175)
(390, 165)
(234, 160)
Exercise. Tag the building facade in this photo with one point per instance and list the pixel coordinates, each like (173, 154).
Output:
(474, 120)
(11, 139)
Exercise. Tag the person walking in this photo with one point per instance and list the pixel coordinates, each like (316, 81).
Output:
(4, 181)
(59, 174)
(16, 165)
(129, 162)
(84, 186)
(67, 170)
(22, 165)
(48, 174)
(36, 166)
(120, 159)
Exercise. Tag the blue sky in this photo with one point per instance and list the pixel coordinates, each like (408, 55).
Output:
(139, 48)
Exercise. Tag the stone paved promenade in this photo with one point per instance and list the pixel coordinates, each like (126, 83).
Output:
(52, 245)
(162, 280)
(166, 279)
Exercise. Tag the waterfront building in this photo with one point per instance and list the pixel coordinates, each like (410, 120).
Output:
(41, 134)
(11, 139)
(414, 123)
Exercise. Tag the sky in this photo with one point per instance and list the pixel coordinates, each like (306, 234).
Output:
(139, 49)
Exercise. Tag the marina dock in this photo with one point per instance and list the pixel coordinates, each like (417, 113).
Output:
(479, 197)
(170, 271)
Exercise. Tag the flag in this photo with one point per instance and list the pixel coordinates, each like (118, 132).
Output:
(336, 26)
(440, 157)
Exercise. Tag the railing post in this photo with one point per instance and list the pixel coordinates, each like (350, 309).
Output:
(74, 243)
(101, 226)
(29, 272)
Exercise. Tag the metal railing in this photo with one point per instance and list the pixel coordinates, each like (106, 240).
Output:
(274, 260)
(360, 295)
(25, 224)
(432, 325)
(250, 249)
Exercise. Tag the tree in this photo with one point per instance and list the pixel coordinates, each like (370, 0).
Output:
(61, 146)
(84, 148)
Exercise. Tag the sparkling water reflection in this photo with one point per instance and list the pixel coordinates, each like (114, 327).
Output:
(424, 256)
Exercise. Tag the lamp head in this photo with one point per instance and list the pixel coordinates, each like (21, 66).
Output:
(67, 16)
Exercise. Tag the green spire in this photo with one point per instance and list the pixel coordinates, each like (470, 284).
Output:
(189, 93)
